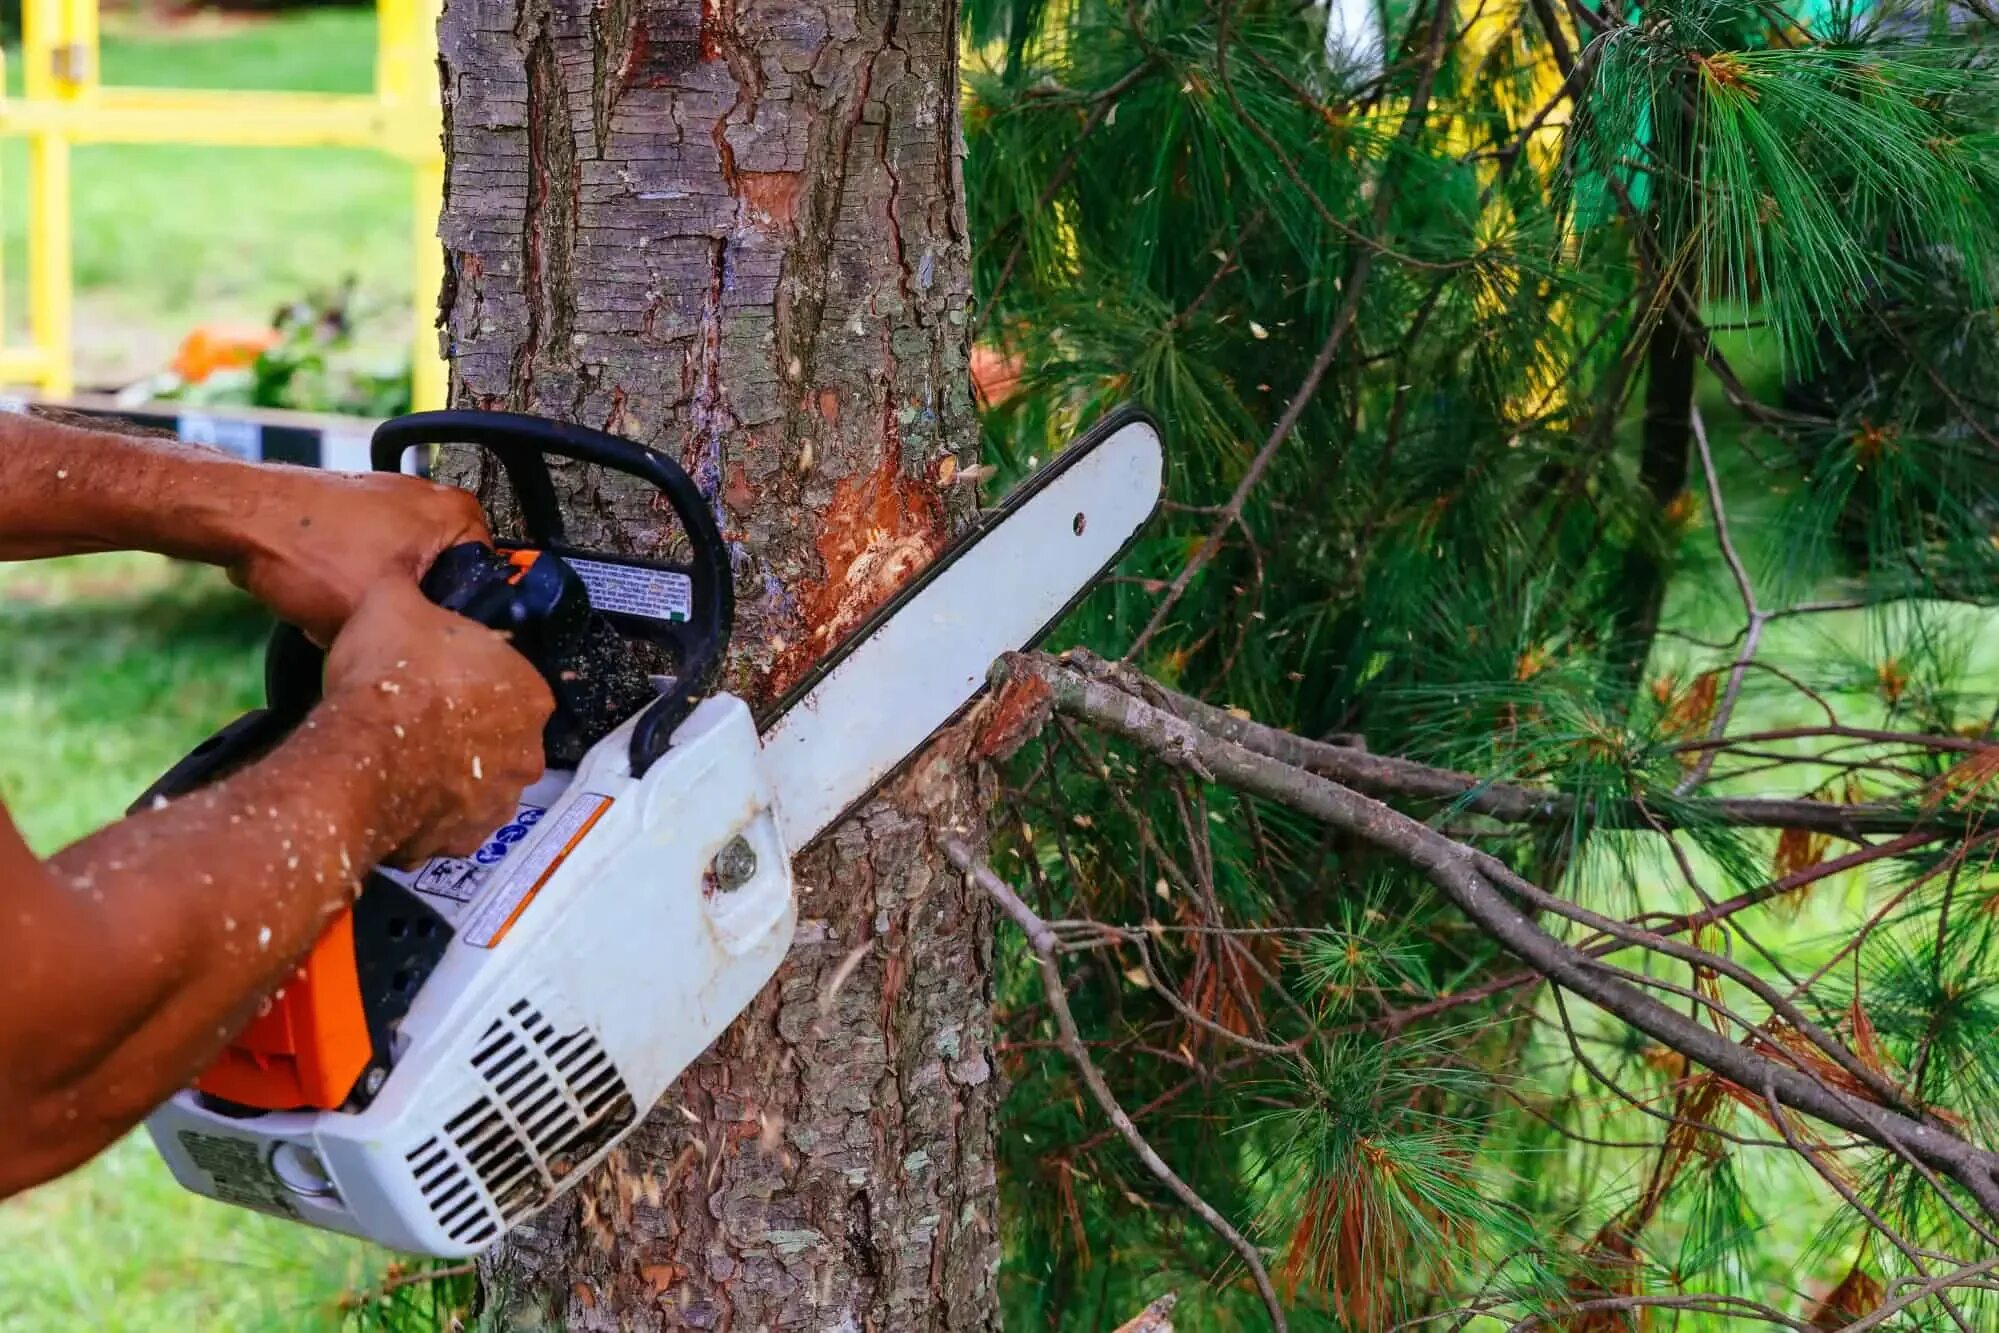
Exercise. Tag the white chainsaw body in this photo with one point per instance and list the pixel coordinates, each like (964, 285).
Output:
(609, 934)
(528, 1056)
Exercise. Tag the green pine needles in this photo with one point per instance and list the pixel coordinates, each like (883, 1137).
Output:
(1583, 424)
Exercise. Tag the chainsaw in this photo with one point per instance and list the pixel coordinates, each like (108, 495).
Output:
(475, 1033)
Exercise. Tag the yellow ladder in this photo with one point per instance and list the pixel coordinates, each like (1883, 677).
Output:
(63, 103)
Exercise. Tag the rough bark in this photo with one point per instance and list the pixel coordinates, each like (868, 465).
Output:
(735, 232)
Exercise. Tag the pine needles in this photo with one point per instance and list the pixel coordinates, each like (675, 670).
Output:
(1528, 213)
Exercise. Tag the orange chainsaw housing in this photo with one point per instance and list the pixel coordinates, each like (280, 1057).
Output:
(307, 1048)
(311, 1043)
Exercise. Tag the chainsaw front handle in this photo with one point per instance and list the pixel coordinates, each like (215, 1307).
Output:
(522, 445)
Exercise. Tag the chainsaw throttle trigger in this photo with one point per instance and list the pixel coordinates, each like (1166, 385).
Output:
(529, 595)
(690, 622)
(543, 606)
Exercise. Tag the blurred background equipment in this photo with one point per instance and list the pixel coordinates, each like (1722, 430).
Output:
(75, 90)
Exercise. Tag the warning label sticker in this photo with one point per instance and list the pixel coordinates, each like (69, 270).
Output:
(459, 879)
(633, 590)
(526, 873)
(239, 1171)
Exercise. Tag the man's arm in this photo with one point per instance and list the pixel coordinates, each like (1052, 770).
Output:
(128, 959)
(303, 541)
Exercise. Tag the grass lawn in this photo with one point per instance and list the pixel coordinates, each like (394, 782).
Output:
(114, 667)
(167, 237)
(117, 665)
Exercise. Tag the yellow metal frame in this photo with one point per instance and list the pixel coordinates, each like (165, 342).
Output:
(63, 103)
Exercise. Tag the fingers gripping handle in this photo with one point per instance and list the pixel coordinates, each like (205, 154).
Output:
(316, 1042)
(522, 445)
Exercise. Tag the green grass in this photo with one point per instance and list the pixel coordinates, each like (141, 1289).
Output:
(115, 667)
(167, 237)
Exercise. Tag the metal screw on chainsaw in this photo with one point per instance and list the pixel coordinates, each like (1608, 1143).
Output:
(734, 865)
(376, 1078)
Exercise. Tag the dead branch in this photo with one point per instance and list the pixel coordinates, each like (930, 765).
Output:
(1156, 1317)
(396, 1278)
(1041, 937)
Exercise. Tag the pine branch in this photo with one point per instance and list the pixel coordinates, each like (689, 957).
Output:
(1101, 107)
(1041, 938)
(1486, 893)
(1670, 359)
(1391, 776)
(1915, 1292)
(1813, 1156)
(1752, 634)
(1354, 284)
(1732, 1308)
(398, 1278)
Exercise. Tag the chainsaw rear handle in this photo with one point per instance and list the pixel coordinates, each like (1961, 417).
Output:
(522, 444)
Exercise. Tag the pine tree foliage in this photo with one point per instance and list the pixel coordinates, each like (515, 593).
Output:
(1599, 402)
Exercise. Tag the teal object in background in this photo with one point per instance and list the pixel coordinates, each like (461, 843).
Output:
(1591, 197)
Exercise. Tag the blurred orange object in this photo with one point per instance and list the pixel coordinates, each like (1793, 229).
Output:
(214, 347)
(994, 374)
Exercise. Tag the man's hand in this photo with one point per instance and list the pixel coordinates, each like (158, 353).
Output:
(192, 911)
(325, 538)
(465, 708)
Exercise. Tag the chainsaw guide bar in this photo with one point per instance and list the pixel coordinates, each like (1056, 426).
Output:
(914, 665)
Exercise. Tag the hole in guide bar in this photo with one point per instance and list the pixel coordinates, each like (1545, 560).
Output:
(1077, 524)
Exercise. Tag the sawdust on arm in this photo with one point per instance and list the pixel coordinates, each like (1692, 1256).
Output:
(307, 543)
(128, 959)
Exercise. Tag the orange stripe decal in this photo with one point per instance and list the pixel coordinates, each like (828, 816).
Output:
(604, 803)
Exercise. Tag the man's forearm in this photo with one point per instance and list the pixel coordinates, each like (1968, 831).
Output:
(306, 543)
(260, 862)
(65, 491)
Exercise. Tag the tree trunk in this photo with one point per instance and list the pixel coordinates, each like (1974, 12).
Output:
(1671, 358)
(736, 233)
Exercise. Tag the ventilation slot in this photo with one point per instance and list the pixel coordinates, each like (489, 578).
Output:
(552, 1100)
(461, 1212)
